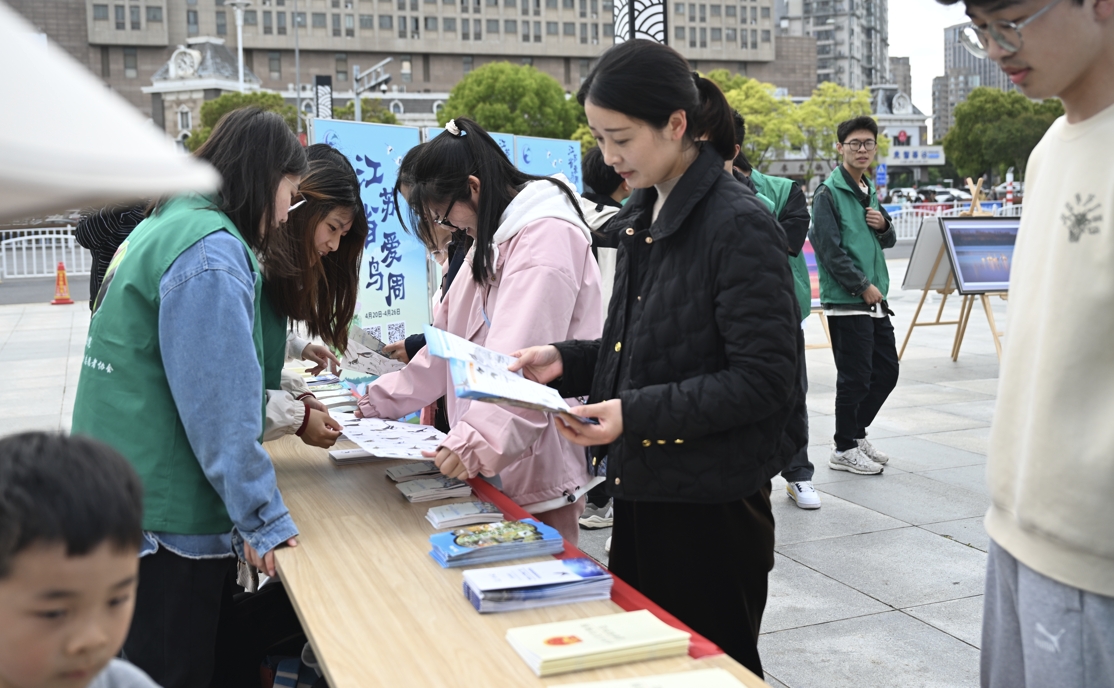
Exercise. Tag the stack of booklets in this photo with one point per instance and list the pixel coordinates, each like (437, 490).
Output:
(701, 678)
(463, 514)
(483, 544)
(557, 648)
(415, 470)
(432, 489)
(481, 374)
(543, 584)
(384, 439)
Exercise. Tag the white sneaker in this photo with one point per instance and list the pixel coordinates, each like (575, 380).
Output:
(607, 545)
(855, 461)
(872, 452)
(598, 516)
(804, 494)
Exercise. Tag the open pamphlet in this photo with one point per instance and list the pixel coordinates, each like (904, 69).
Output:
(365, 354)
(563, 646)
(490, 542)
(432, 489)
(384, 439)
(481, 374)
(542, 584)
(701, 678)
(463, 514)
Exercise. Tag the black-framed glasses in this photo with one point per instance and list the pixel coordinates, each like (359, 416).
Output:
(857, 145)
(296, 200)
(444, 221)
(1006, 34)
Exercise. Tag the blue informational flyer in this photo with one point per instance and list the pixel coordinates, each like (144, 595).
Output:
(505, 141)
(547, 157)
(394, 283)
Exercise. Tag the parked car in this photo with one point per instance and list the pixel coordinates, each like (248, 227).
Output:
(905, 195)
(953, 196)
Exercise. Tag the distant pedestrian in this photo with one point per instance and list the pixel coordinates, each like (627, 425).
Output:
(102, 231)
(1048, 616)
(849, 230)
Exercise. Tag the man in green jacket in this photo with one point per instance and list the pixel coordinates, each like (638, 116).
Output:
(849, 230)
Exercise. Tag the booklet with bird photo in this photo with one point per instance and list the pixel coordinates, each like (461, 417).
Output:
(490, 542)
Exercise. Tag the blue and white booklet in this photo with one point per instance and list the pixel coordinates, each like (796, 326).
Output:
(490, 542)
(481, 374)
(542, 584)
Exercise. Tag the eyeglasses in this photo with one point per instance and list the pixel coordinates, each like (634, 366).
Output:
(296, 200)
(857, 145)
(1005, 33)
(444, 221)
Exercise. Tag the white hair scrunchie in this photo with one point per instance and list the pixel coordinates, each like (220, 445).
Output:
(453, 129)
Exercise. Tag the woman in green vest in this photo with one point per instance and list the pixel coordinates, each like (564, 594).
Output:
(173, 379)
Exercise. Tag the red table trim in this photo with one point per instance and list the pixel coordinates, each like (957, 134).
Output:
(622, 593)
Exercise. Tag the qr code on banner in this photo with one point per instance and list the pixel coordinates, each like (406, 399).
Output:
(395, 332)
(375, 331)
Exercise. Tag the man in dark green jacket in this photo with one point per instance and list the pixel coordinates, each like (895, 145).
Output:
(850, 228)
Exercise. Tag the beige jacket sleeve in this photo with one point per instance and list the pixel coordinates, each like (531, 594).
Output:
(284, 416)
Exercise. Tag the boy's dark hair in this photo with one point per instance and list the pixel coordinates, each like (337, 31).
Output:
(998, 4)
(861, 123)
(74, 491)
(740, 135)
(598, 174)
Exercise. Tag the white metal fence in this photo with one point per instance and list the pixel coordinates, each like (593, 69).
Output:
(907, 221)
(37, 252)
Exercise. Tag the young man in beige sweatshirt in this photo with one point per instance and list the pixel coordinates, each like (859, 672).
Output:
(1049, 607)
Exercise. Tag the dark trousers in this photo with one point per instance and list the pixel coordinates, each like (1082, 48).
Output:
(800, 469)
(195, 627)
(706, 564)
(866, 372)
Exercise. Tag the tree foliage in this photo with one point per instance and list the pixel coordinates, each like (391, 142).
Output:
(213, 110)
(771, 130)
(584, 135)
(371, 110)
(725, 80)
(512, 99)
(995, 130)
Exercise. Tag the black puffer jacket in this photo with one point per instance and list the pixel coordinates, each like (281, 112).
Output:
(701, 344)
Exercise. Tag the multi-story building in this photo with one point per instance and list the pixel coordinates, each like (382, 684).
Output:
(963, 72)
(901, 74)
(432, 43)
(852, 38)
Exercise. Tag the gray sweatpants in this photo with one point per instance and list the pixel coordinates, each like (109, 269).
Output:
(1039, 633)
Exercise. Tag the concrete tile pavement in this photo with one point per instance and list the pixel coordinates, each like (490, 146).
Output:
(880, 587)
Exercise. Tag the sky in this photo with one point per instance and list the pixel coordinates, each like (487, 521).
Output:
(917, 32)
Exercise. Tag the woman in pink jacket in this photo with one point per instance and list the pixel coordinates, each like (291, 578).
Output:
(529, 279)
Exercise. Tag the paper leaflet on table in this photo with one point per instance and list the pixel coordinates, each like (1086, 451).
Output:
(365, 354)
(481, 375)
(388, 438)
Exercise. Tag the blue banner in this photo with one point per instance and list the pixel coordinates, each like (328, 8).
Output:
(394, 291)
(547, 157)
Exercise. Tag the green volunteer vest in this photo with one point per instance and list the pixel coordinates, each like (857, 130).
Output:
(858, 240)
(123, 397)
(274, 343)
(777, 189)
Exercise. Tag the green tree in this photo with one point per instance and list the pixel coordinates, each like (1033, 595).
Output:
(213, 110)
(820, 115)
(771, 129)
(584, 135)
(371, 110)
(995, 130)
(725, 80)
(512, 99)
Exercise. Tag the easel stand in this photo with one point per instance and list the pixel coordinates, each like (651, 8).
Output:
(827, 333)
(965, 309)
(947, 290)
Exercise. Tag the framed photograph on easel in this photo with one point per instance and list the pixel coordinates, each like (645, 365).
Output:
(981, 252)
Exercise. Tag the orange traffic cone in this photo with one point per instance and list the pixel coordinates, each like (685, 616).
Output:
(61, 288)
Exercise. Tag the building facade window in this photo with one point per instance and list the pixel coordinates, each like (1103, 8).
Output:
(537, 33)
(552, 28)
(131, 63)
(406, 68)
(350, 25)
(319, 19)
(765, 12)
(100, 12)
(299, 20)
(584, 34)
(729, 35)
(386, 21)
(510, 27)
(679, 8)
(121, 21)
(467, 62)
(133, 13)
(476, 33)
(703, 13)
(268, 23)
(678, 33)
(703, 37)
(342, 67)
(692, 36)
(465, 29)
(717, 35)
(367, 21)
(222, 23)
(765, 35)
(191, 23)
(274, 64)
(336, 25)
(431, 24)
(729, 10)
(251, 18)
(396, 107)
(402, 27)
(583, 9)
(106, 62)
(715, 10)
(569, 29)
(280, 23)
(525, 31)
(585, 66)
(185, 119)
(609, 30)
(448, 24)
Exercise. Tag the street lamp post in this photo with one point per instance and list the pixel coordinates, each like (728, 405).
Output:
(372, 78)
(238, 6)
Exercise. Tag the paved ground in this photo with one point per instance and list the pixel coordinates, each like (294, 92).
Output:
(881, 587)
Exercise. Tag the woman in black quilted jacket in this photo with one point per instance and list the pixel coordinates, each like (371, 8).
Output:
(694, 380)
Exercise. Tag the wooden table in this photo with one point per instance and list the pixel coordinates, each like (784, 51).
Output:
(378, 609)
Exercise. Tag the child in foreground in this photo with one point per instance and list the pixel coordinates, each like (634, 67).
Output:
(70, 529)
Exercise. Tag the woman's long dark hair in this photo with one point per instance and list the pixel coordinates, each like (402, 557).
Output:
(323, 292)
(253, 150)
(649, 81)
(437, 171)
